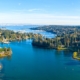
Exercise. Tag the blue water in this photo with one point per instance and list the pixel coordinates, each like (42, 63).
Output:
(31, 63)
(28, 30)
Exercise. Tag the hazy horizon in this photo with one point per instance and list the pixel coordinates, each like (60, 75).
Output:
(40, 12)
(22, 24)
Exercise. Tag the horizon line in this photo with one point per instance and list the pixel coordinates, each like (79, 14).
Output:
(16, 24)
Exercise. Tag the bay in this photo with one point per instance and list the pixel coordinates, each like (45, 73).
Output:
(30, 63)
(28, 30)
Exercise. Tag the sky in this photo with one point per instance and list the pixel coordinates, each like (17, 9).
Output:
(40, 12)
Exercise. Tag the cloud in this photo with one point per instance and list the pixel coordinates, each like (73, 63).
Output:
(28, 10)
(64, 17)
(32, 10)
(35, 18)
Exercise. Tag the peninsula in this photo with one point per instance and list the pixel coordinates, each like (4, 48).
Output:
(68, 38)
(7, 36)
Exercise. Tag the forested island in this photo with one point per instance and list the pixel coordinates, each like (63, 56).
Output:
(57, 29)
(68, 38)
(5, 52)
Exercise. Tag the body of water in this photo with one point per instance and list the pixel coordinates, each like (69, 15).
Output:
(28, 30)
(31, 63)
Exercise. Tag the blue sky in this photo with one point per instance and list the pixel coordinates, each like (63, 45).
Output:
(59, 12)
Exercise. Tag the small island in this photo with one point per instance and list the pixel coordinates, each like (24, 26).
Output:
(76, 55)
(5, 52)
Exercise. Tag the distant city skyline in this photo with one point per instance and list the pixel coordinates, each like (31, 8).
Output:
(40, 12)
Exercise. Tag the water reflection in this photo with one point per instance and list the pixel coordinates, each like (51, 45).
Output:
(67, 53)
(72, 63)
(2, 67)
(9, 57)
(2, 74)
(64, 53)
(58, 53)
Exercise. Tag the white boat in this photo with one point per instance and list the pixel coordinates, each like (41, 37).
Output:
(6, 42)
